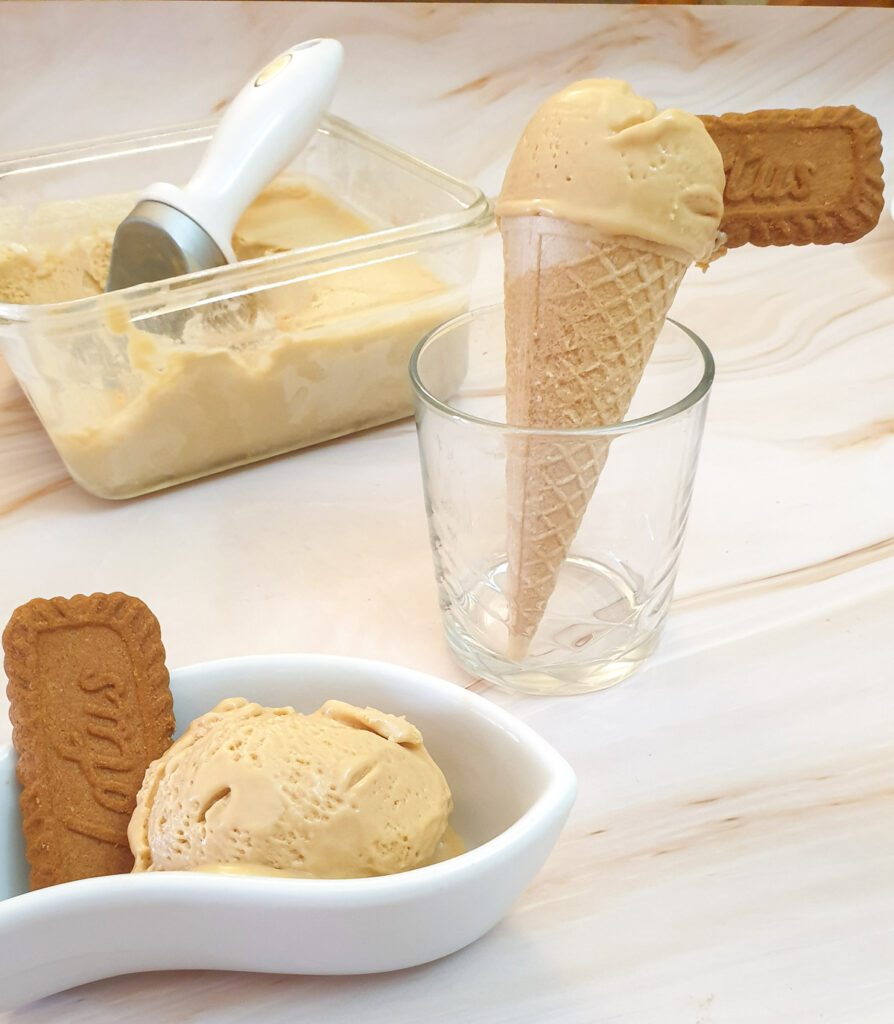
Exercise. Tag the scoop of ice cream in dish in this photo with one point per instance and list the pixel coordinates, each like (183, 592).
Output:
(511, 794)
(344, 792)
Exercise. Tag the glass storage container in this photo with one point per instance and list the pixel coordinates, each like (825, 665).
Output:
(165, 382)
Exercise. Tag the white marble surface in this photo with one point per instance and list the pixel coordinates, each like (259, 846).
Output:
(729, 857)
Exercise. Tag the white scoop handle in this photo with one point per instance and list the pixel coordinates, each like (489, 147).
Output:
(264, 128)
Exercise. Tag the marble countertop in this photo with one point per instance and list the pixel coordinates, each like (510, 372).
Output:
(728, 860)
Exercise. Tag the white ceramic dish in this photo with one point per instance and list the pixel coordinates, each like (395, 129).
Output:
(512, 793)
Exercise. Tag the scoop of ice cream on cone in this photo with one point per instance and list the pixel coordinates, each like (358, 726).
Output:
(604, 206)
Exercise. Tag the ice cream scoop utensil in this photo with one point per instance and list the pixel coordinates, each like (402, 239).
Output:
(173, 231)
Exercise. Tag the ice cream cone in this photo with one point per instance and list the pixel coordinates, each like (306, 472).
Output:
(605, 203)
(583, 310)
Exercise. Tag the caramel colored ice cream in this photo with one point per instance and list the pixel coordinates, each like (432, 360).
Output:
(135, 405)
(597, 154)
(345, 792)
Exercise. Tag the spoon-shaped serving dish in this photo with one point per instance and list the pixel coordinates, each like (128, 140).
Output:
(512, 793)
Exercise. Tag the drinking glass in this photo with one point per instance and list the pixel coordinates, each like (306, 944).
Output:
(608, 598)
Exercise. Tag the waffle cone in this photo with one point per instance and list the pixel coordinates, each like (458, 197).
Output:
(583, 311)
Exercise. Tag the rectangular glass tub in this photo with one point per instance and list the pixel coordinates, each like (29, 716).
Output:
(166, 382)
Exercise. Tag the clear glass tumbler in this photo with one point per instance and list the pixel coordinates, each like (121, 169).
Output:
(608, 591)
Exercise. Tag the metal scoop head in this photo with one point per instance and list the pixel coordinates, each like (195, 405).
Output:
(157, 241)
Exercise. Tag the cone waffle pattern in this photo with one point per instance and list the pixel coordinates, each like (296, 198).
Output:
(581, 320)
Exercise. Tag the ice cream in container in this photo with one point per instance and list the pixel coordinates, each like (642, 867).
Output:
(343, 261)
